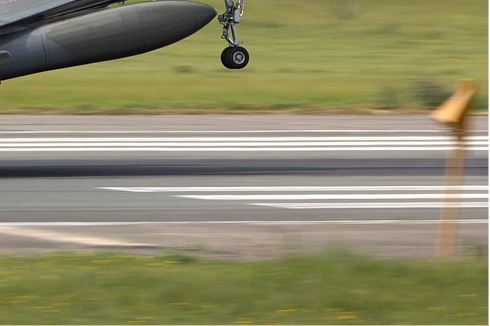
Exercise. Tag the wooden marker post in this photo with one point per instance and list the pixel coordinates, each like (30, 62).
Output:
(453, 113)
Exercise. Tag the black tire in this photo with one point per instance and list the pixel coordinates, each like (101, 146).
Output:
(235, 57)
(224, 56)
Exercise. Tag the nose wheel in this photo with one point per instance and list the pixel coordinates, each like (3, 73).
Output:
(234, 57)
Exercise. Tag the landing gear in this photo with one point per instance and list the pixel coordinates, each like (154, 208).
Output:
(234, 56)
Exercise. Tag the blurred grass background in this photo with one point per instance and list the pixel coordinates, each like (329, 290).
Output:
(313, 56)
(336, 287)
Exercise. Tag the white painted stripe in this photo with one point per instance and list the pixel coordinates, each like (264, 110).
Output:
(234, 149)
(295, 188)
(232, 144)
(334, 197)
(372, 205)
(279, 131)
(250, 222)
(362, 131)
(238, 144)
(234, 139)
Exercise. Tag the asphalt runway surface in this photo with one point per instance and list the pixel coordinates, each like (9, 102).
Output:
(242, 187)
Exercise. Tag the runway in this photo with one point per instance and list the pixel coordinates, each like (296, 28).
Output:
(222, 190)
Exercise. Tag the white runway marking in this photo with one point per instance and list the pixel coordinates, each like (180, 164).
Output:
(371, 205)
(296, 188)
(246, 140)
(234, 149)
(163, 132)
(305, 222)
(210, 143)
(350, 197)
(335, 197)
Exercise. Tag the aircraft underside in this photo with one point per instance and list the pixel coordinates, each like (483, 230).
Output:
(76, 32)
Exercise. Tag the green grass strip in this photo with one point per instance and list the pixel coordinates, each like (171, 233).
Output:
(327, 288)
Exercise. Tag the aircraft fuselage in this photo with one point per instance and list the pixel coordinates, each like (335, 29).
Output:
(99, 35)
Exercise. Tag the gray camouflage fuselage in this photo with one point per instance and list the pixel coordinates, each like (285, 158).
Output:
(99, 35)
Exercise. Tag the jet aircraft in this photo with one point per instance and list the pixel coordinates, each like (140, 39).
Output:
(42, 35)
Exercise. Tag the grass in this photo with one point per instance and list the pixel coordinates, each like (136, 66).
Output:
(305, 56)
(334, 287)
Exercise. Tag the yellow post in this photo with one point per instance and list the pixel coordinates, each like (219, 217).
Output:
(453, 113)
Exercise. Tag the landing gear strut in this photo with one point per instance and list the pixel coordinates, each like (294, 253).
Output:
(234, 56)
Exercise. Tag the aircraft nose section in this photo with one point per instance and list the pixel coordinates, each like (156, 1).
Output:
(202, 13)
(102, 35)
(167, 22)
